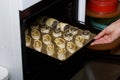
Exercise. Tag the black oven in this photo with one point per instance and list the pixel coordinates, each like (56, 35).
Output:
(40, 66)
(37, 65)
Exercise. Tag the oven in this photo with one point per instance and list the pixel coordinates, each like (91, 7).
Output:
(36, 64)
(43, 19)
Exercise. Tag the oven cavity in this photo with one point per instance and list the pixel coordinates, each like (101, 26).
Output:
(56, 38)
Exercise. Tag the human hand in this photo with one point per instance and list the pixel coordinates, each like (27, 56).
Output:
(109, 38)
(109, 34)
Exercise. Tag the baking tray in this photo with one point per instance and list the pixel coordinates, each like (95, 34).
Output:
(54, 58)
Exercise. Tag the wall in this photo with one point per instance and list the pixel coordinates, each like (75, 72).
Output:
(10, 46)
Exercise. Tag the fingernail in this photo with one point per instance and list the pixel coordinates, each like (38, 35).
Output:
(95, 37)
(92, 44)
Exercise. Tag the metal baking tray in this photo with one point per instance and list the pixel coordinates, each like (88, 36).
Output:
(55, 57)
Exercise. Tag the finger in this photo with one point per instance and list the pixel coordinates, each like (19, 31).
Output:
(96, 42)
(104, 40)
(99, 41)
(101, 34)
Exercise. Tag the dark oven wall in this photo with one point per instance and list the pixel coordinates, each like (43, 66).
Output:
(63, 10)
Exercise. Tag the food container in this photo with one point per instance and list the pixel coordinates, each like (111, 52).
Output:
(102, 6)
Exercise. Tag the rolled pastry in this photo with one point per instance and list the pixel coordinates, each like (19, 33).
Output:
(46, 39)
(61, 53)
(60, 42)
(51, 22)
(86, 34)
(63, 26)
(42, 20)
(71, 47)
(68, 36)
(26, 32)
(45, 29)
(57, 32)
(50, 49)
(35, 34)
(34, 26)
(28, 40)
(37, 45)
(79, 41)
(73, 30)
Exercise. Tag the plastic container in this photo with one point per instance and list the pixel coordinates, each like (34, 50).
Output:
(101, 23)
(3, 73)
(103, 6)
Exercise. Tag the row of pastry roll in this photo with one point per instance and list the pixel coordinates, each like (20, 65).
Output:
(59, 27)
(53, 23)
(62, 45)
(50, 47)
(61, 42)
(63, 33)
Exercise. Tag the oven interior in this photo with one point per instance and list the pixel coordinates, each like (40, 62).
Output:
(39, 66)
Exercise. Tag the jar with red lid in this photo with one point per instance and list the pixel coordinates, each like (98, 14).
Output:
(102, 6)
